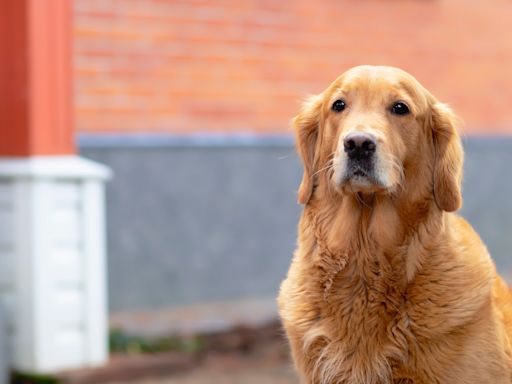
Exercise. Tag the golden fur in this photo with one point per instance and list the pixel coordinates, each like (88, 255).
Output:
(387, 285)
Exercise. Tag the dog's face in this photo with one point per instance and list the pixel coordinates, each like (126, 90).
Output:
(371, 119)
(370, 128)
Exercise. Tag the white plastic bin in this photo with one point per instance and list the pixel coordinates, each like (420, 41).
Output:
(52, 261)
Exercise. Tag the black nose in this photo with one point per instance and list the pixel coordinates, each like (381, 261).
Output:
(359, 145)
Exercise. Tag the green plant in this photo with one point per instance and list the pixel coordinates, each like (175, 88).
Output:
(26, 378)
(124, 343)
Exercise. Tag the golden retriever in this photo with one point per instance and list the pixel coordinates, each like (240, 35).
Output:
(387, 285)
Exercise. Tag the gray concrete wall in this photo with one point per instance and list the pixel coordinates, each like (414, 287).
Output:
(203, 220)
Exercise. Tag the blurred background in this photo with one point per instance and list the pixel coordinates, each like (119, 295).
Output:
(189, 102)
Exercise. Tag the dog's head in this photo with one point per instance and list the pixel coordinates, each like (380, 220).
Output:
(373, 131)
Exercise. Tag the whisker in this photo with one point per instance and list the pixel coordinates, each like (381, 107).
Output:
(395, 164)
(323, 169)
(329, 163)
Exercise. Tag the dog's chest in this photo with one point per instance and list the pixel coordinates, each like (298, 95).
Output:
(363, 319)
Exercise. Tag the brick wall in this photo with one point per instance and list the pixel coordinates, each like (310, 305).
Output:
(242, 65)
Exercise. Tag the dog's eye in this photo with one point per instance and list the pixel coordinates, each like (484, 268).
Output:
(400, 109)
(338, 106)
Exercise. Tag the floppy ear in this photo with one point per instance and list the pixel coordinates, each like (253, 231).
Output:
(306, 125)
(448, 160)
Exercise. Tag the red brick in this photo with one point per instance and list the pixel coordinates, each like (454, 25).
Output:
(226, 65)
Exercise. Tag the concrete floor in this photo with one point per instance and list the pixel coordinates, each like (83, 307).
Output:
(269, 365)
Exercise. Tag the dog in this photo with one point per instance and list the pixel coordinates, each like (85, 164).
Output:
(387, 284)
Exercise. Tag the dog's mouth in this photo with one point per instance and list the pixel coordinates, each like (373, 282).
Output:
(359, 173)
(360, 177)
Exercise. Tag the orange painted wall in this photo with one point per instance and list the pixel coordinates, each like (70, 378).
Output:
(244, 65)
(36, 78)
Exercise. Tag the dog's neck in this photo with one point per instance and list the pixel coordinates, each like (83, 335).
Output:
(396, 230)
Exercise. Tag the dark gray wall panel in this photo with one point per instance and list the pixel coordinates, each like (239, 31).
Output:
(193, 224)
(196, 223)
(487, 193)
